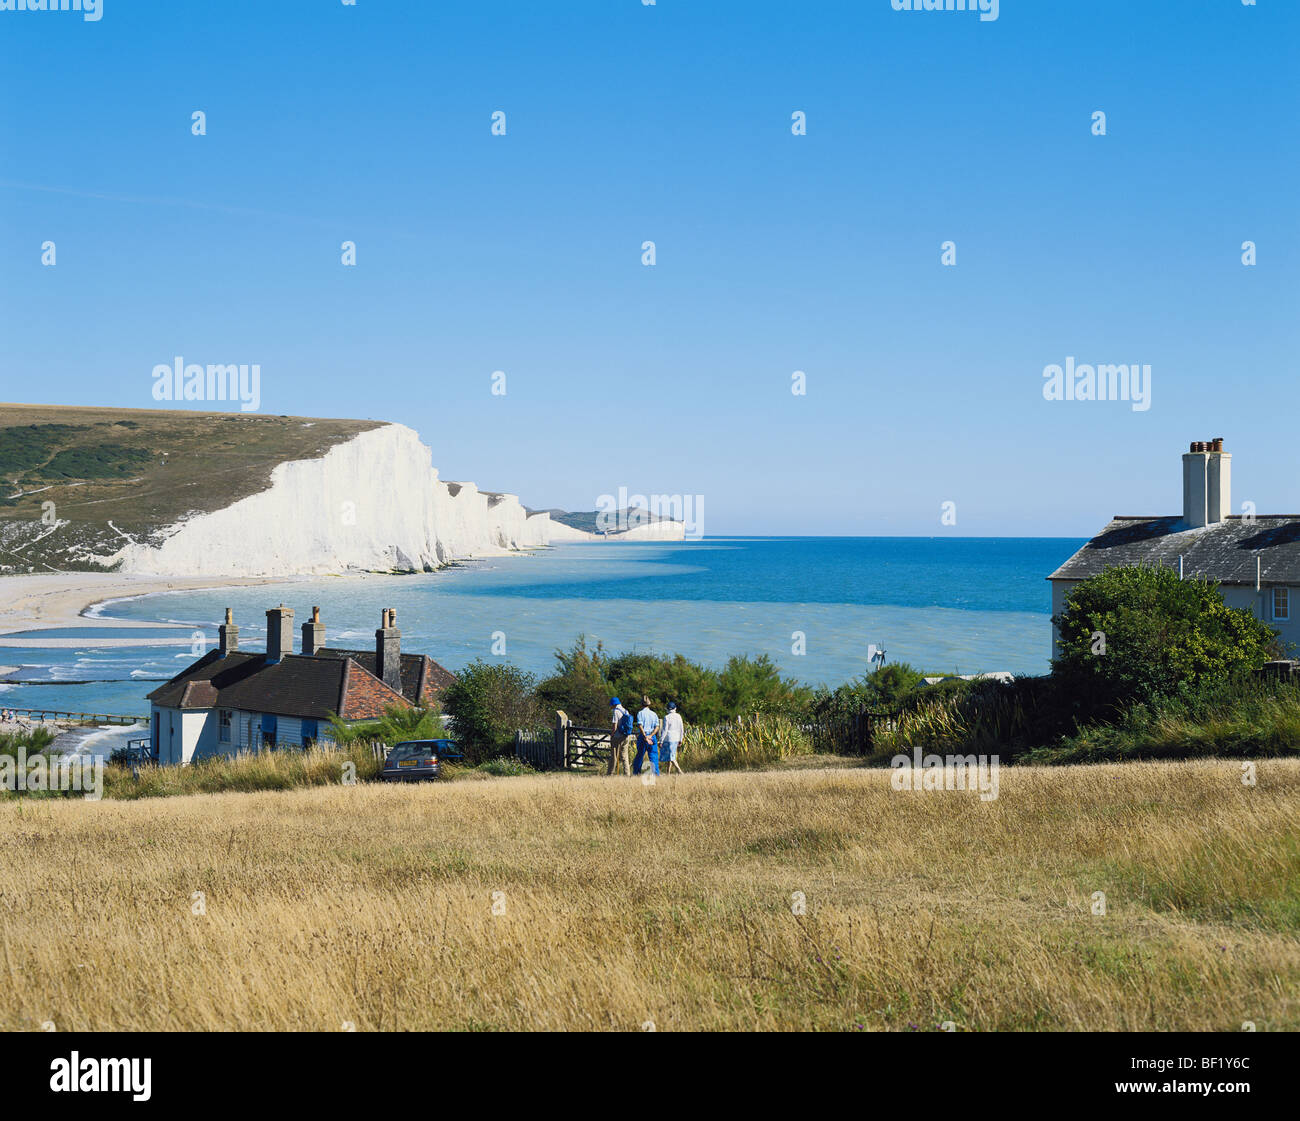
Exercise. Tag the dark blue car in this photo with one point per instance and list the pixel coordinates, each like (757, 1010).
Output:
(417, 760)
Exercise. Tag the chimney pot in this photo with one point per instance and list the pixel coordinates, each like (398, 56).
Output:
(1207, 483)
(313, 634)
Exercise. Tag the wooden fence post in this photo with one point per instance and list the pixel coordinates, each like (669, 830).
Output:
(562, 739)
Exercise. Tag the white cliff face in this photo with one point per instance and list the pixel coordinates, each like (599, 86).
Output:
(374, 503)
(652, 531)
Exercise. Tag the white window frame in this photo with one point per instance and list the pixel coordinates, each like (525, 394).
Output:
(1284, 594)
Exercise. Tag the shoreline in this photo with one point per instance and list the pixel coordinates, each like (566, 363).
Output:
(43, 601)
(56, 600)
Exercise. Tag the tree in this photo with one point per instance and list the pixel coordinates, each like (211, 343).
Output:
(665, 678)
(1136, 634)
(886, 687)
(585, 680)
(892, 682)
(750, 685)
(488, 702)
(579, 686)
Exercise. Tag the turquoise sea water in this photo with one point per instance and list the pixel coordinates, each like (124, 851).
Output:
(945, 604)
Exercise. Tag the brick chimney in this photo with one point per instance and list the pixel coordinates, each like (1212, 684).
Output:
(228, 635)
(1207, 483)
(388, 651)
(279, 633)
(313, 633)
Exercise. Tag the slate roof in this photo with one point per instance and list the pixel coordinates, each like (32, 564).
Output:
(297, 685)
(1223, 552)
(422, 678)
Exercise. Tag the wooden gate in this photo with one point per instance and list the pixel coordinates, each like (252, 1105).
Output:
(569, 747)
(586, 748)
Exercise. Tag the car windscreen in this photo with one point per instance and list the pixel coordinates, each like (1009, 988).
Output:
(410, 751)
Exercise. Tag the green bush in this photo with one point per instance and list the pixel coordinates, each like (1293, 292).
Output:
(26, 446)
(585, 680)
(102, 461)
(33, 740)
(1241, 717)
(1161, 636)
(488, 702)
(884, 689)
(579, 687)
(397, 724)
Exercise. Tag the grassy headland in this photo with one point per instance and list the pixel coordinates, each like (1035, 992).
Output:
(141, 469)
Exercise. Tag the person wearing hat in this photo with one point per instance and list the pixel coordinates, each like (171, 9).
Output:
(618, 746)
(673, 732)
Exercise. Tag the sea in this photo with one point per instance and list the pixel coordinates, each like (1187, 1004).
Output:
(814, 605)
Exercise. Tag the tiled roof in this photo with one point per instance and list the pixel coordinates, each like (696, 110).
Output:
(422, 678)
(297, 685)
(1224, 551)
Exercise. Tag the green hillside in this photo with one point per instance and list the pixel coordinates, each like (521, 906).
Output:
(138, 469)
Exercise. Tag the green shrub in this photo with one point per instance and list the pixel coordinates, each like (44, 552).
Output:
(102, 461)
(580, 685)
(397, 724)
(585, 680)
(883, 689)
(26, 446)
(488, 702)
(1244, 716)
(33, 740)
(1137, 634)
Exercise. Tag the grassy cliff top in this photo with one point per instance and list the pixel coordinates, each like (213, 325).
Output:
(141, 469)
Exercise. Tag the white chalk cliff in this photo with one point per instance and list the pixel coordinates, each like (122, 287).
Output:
(372, 503)
(652, 531)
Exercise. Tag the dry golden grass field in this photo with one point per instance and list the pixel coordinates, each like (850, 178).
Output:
(670, 904)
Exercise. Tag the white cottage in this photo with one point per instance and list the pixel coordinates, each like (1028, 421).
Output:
(1255, 558)
(231, 701)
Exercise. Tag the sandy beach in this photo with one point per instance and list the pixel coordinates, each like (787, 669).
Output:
(53, 600)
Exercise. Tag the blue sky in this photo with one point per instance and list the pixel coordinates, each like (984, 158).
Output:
(775, 253)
